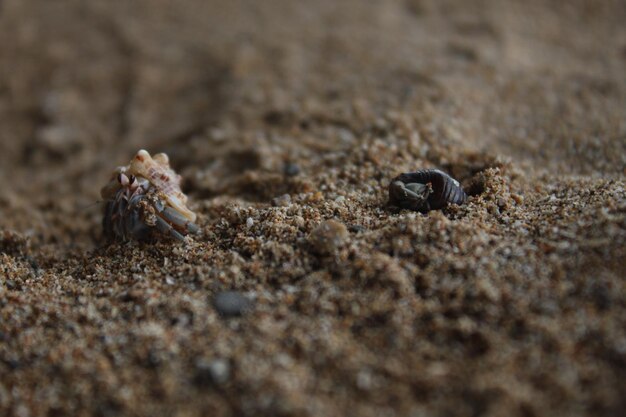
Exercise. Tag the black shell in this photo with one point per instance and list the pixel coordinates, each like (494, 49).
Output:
(445, 190)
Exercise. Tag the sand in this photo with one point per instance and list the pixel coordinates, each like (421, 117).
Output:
(287, 121)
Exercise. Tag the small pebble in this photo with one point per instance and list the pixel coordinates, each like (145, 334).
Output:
(328, 237)
(364, 380)
(357, 228)
(290, 169)
(215, 372)
(230, 303)
(249, 222)
(282, 201)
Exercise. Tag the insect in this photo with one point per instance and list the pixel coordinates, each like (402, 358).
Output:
(425, 190)
(144, 199)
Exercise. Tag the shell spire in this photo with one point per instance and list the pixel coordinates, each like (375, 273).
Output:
(157, 170)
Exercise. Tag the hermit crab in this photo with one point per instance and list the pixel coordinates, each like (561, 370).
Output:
(144, 200)
(425, 190)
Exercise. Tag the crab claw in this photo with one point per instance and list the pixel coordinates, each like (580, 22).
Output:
(412, 195)
(418, 191)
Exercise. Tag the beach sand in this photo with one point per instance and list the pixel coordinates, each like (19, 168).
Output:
(287, 120)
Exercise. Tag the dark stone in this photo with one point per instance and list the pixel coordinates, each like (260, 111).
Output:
(601, 296)
(290, 169)
(107, 407)
(357, 228)
(152, 360)
(12, 364)
(231, 303)
(278, 118)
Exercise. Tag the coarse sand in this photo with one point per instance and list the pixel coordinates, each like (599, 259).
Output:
(305, 293)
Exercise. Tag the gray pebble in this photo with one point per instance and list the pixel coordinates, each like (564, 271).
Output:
(291, 170)
(282, 201)
(231, 303)
(215, 372)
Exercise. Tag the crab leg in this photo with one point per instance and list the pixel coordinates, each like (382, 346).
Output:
(417, 190)
(135, 226)
(176, 219)
(411, 191)
(165, 227)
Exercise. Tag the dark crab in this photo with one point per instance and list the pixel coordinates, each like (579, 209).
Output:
(425, 190)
